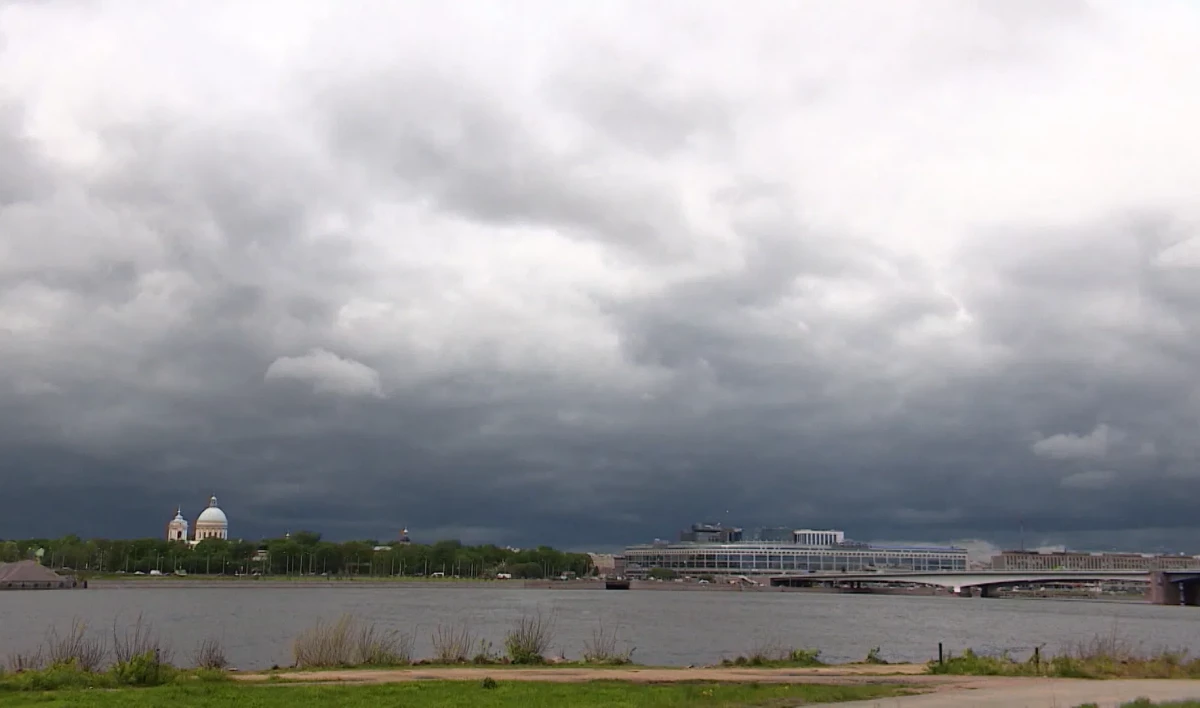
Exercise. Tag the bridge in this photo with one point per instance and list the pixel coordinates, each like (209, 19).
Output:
(1165, 588)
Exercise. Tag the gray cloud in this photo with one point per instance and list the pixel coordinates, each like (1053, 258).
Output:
(1092, 479)
(897, 270)
(328, 373)
(1068, 446)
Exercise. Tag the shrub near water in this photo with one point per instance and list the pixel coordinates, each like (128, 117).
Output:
(769, 655)
(76, 648)
(1102, 657)
(602, 648)
(210, 655)
(452, 645)
(529, 640)
(350, 642)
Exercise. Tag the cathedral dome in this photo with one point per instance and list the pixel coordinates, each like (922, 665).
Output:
(212, 515)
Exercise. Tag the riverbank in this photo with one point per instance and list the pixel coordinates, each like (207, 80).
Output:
(492, 687)
(280, 582)
(129, 582)
(908, 685)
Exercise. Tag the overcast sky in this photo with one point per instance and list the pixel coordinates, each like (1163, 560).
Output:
(583, 273)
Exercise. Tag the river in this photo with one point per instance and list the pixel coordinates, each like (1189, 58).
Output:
(257, 625)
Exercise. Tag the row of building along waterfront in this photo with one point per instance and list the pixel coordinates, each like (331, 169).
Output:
(715, 549)
(712, 549)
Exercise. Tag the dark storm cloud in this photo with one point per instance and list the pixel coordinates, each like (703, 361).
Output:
(587, 287)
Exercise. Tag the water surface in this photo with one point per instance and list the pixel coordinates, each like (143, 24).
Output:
(257, 625)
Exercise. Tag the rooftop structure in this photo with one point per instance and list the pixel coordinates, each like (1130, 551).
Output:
(711, 533)
(31, 575)
(810, 537)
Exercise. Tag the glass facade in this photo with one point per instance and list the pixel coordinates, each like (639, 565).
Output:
(786, 559)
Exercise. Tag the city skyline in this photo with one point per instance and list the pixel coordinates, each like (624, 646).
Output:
(582, 275)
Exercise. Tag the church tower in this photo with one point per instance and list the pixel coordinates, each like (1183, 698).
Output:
(177, 530)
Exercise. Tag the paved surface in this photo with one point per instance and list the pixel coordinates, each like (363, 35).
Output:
(1040, 693)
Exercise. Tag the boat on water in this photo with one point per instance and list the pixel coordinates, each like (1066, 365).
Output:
(616, 584)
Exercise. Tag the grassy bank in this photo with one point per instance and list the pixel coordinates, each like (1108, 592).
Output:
(447, 694)
(111, 579)
(1103, 657)
(135, 656)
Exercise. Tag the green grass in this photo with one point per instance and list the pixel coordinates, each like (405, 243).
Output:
(451, 694)
(768, 657)
(1101, 658)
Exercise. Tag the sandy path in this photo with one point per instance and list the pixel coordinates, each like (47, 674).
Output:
(902, 673)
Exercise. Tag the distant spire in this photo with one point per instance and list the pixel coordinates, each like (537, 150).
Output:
(212, 501)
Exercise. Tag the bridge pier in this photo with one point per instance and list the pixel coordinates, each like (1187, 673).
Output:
(1174, 589)
(985, 591)
(1163, 591)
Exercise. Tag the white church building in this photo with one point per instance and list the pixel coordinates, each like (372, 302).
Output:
(212, 523)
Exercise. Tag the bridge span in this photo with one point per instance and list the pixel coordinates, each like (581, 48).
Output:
(1165, 588)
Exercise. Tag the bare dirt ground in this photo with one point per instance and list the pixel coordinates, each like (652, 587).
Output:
(864, 673)
(936, 691)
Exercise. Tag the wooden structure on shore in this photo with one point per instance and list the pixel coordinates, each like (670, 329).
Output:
(31, 575)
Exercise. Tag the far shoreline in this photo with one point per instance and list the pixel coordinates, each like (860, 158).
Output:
(281, 583)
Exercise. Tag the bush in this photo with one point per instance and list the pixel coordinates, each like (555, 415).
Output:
(145, 669)
(57, 677)
(452, 645)
(375, 647)
(324, 645)
(210, 655)
(776, 656)
(873, 657)
(211, 675)
(529, 640)
(602, 648)
(349, 642)
(76, 648)
(485, 654)
(27, 661)
(136, 641)
(489, 682)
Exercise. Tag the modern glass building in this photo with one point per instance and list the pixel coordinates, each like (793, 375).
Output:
(789, 558)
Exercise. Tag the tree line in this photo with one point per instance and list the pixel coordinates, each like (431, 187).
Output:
(302, 553)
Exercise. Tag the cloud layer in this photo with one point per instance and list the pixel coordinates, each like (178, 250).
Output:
(583, 275)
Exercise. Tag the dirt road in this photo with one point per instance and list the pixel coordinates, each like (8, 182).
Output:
(866, 673)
